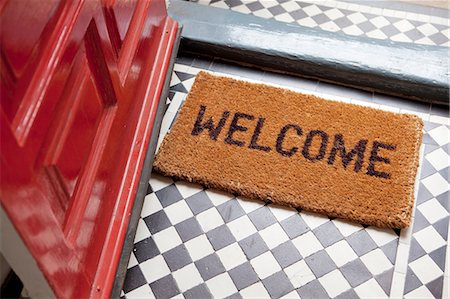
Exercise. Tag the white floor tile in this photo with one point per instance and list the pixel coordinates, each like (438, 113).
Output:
(432, 210)
(440, 120)
(439, 159)
(221, 286)
(231, 256)
(376, 261)
(218, 197)
(381, 236)
(281, 212)
(263, 13)
(151, 205)
(425, 269)
(427, 29)
(209, 219)
(242, 227)
(242, 9)
(187, 189)
(187, 277)
(285, 17)
(400, 37)
(312, 10)
(249, 205)
(291, 295)
(158, 181)
(133, 261)
(334, 283)
(167, 239)
(429, 239)
(440, 134)
(346, 227)
(436, 184)
(142, 231)
(256, 290)
(420, 293)
(307, 22)
(379, 21)
(313, 219)
(334, 14)
(403, 25)
(290, 6)
(274, 235)
(299, 274)
(154, 269)
(265, 265)
(307, 244)
(370, 289)
(341, 253)
(353, 30)
(199, 247)
(178, 212)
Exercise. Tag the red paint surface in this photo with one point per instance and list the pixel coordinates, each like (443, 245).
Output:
(80, 85)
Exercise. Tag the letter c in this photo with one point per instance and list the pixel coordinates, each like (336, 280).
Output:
(282, 135)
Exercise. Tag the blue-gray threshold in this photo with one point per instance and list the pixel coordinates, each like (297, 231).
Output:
(407, 70)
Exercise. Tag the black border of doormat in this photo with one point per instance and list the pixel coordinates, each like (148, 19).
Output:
(412, 71)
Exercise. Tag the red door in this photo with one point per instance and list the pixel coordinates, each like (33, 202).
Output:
(80, 84)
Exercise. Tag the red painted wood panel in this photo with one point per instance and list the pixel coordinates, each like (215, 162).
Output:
(80, 85)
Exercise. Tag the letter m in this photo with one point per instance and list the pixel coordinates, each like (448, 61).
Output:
(347, 157)
(214, 131)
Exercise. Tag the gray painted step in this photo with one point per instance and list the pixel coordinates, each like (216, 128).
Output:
(408, 70)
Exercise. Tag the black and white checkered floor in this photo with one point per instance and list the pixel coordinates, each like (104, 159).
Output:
(359, 18)
(193, 242)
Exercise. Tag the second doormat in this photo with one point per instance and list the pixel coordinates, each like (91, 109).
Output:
(269, 143)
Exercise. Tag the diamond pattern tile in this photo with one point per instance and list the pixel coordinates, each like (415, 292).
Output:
(202, 243)
(340, 16)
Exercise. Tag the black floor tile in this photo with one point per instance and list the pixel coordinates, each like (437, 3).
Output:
(220, 237)
(134, 279)
(253, 246)
(278, 285)
(178, 257)
(286, 254)
(312, 290)
(200, 291)
(145, 250)
(165, 287)
(355, 272)
(188, 229)
(209, 266)
(320, 263)
(243, 276)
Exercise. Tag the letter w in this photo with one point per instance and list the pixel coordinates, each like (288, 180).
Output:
(213, 131)
(358, 150)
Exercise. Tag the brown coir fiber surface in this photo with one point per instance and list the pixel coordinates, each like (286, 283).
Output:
(269, 143)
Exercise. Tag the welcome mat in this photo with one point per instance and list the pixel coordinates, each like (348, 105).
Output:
(268, 143)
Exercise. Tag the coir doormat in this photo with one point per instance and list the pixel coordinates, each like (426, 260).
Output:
(268, 143)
